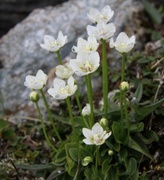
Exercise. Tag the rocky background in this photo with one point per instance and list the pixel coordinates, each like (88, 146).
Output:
(20, 53)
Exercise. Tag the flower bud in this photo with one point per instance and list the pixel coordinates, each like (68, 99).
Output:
(86, 160)
(110, 152)
(124, 86)
(103, 122)
(34, 96)
(86, 111)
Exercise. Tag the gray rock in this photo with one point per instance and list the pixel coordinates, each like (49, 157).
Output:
(20, 53)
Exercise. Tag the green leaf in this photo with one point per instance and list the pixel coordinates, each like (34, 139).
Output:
(35, 167)
(106, 166)
(60, 156)
(147, 59)
(119, 133)
(139, 92)
(88, 174)
(61, 119)
(79, 121)
(73, 152)
(71, 166)
(152, 11)
(143, 112)
(113, 174)
(149, 137)
(84, 152)
(135, 176)
(139, 146)
(54, 174)
(123, 154)
(131, 167)
(113, 145)
(137, 127)
(3, 124)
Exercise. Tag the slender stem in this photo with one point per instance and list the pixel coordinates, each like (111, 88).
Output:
(50, 115)
(121, 106)
(97, 161)
(79, 105)
(125, 105)
(105, 77)
(43, 127)
(59, 57)
(70, 114)
(123, 67)
(78, 101)
(90, 97)
(121, 92)
(126, 112)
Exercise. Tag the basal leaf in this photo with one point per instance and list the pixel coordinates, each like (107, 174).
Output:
(73, 152)
(60, 156)
(105, 166)
(148, 137)
(140, 147)
(119, 133)
(139, 92)
(137, 127)
(34, 167)
(143, 112)
(131, 167)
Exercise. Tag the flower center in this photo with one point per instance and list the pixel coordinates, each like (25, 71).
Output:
(96, 139)
(87, 67)
(89, 48)
(63, 91)
(123, 45)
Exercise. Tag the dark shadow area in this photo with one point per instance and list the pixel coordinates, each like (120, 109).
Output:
(13, 11)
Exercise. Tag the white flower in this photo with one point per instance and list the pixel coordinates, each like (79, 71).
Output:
(64, 71)
(104, 15)
(86, 46)
(61, 89)
(101, 30)
(86, 111)
(52, 44)
(36, 82)
(85, 63)
(123, 43)
(95, 136)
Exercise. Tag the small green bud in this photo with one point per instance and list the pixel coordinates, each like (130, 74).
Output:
(110, 152)
(34, 96)
(124, 86)
(86, 160)
(104, 122)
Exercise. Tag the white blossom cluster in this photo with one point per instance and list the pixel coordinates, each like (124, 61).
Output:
(87, 61)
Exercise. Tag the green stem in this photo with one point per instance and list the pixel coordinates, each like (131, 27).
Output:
(70, 114)
(105, 77)
(123, 67)
(126, 112)
(43, 127)
(79, 105)
(59, 57)
(122, 106)
(97, 161)
(121, 92)
(78, 101)
(50, 115)
(90, 97)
